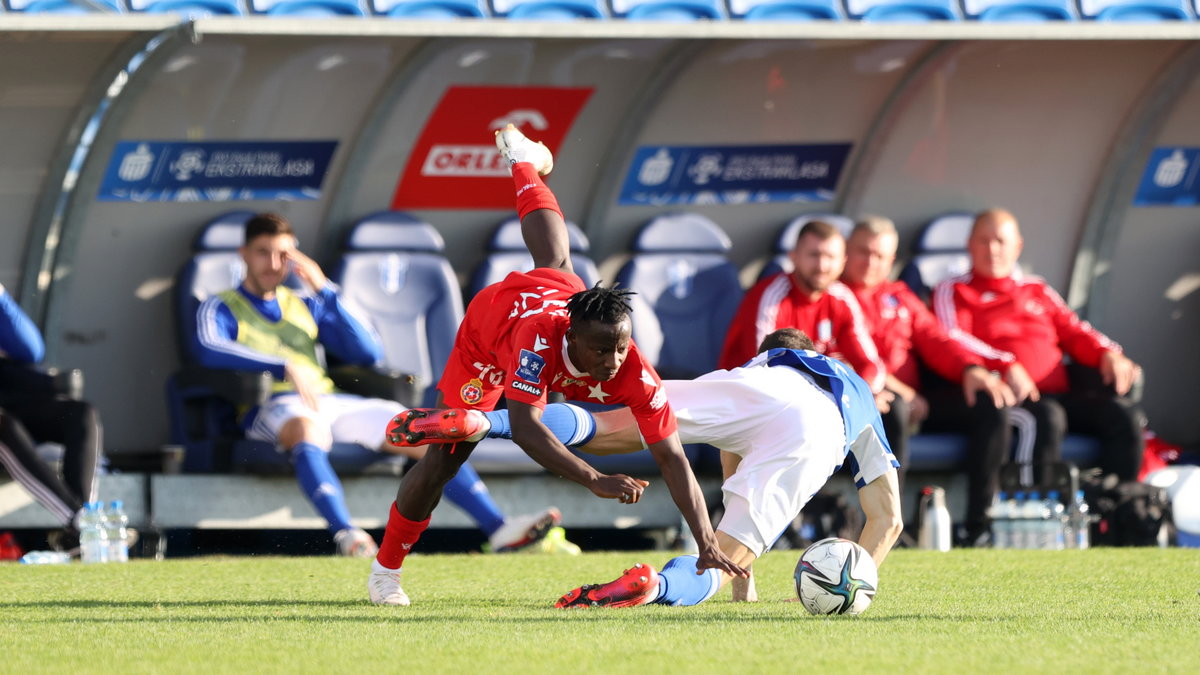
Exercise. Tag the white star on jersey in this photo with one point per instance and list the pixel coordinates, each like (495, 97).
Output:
(597, 393)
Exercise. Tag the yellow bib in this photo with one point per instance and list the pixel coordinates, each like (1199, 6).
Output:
(292, 338)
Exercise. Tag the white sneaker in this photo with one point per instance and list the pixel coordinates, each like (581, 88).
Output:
(354, 543)
(516, 148)
(384, 586)
(522, 531)
(555, 543)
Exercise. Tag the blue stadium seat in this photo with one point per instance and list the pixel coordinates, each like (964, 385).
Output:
(940, 252)
(204, 403)
(190, 8)
(668, 10)
(688, 290)
(903, 11)
(1135, 11)
(392, 268)
(63, 6)
(316, 9)
(550, 10)
(786, 241)
(507, 253)
(786, 10)
(429, 9)
(1020, 11)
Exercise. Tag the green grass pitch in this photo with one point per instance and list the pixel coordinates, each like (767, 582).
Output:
(1103, 610)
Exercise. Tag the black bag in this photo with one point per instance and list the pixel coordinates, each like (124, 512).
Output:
(1125, 513)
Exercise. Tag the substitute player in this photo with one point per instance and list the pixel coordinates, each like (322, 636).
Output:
(785, 422)
(526, 336)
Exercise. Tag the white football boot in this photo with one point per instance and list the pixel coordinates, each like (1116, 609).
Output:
(384, 586)
(515, 147)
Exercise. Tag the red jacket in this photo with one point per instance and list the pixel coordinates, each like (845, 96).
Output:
(903, 329)
(1018, 320)
(833, 321)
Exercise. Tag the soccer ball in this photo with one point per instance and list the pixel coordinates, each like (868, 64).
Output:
(836, 576)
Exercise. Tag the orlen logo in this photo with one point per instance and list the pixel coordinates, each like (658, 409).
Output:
(481, 160)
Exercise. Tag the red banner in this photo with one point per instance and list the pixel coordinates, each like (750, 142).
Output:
(455, 164)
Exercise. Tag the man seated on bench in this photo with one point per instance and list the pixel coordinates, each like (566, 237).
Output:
(963, 396)
(263, 325)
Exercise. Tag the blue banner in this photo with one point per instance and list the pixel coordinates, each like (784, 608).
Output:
(733, 174)
(215, 171)
(1170, 178)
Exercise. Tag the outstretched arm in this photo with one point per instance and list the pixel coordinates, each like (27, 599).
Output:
(677, 473)
(539, 443)
(880, 500)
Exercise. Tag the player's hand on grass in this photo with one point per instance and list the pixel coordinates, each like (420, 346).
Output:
(626, 489)
(711, 557)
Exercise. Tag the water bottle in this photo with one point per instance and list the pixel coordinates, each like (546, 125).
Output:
(45, 558)
(1017, 535)
(1031, 520)
(93, 540)
(1002, 521)
(1079, 521)
(1054, 536)
(116, 526)
(935, 520)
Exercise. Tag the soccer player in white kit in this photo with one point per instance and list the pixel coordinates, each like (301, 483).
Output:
(785, 422)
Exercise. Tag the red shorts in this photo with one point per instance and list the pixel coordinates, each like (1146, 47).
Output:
(472, 377)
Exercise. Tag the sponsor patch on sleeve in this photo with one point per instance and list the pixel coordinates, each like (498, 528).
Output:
(530, 368)
(526, 387)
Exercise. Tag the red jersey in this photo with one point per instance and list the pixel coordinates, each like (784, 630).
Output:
(834, 321)
(514, 336)
(903, 329)
(1012, 320)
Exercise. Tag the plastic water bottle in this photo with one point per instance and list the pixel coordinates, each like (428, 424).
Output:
(93, 540)
(1079, 522)
(1054, 516)
(45, 558)
(1017, 537)
(935, 520)
(1002, 521)
(116, 526)
(1031, 520)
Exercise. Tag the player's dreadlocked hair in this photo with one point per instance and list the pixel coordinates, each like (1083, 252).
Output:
(604, 305)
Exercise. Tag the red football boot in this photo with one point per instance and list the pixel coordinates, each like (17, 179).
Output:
(637, 586)
(429, 426)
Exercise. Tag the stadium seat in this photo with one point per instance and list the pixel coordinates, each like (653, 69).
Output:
(316, 9)
(507, 253)
(63, 6)
(1020, 11)
(204, 403)
(392, 268)
(189, 8)
(550, 10)
(786, 241)
(786, 10)
(668, 10)
(903, 11)
(940, 252)
(429, 9)
(1135, 11)
(690, 292)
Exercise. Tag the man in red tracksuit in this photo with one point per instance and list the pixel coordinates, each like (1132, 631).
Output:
(811, 299)
(966, 397)
(1022, 328)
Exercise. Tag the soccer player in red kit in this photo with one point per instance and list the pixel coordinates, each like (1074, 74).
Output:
(526, 336)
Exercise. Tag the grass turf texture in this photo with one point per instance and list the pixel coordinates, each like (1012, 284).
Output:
(1104, 610)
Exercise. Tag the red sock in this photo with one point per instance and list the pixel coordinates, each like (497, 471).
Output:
(399, 538)
(532, 193)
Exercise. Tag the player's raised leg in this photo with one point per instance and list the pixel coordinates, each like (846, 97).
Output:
(542, 223)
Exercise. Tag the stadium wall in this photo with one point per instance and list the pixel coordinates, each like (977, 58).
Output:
(1057, 123)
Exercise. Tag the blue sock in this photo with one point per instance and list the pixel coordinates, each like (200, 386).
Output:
(321, 485)
(679, 585)
(466, 491)
(570, 424)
